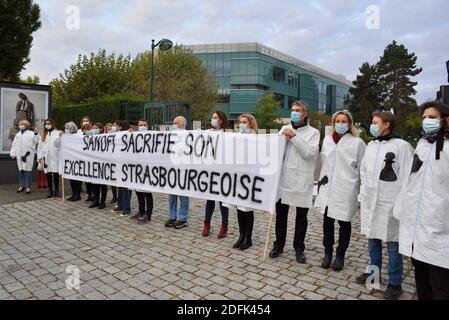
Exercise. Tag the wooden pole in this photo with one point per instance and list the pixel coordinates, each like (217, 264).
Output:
(267, 241)
(63, 189)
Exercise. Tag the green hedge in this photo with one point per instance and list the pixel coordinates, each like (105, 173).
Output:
(104, 110)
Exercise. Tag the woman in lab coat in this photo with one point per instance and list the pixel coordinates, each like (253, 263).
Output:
(338, 187)
(384, 170)
(23, 149)
(48, 153)
(423, 207)
(245, 216)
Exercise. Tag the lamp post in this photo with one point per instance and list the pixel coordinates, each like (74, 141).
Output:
(163, 45)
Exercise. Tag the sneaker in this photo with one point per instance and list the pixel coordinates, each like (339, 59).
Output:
(180, 224)
(134, 216)
(21, 189)
(125, 214)
(393, 292)
(116, 209)
(170, 223)
(28, 191)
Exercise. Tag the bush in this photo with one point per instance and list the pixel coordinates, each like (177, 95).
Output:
(104, 110)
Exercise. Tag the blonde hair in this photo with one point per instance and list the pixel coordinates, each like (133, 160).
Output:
(25, 122)
(351, 127)
(252, 121)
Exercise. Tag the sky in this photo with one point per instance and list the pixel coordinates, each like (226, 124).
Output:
(335, 35)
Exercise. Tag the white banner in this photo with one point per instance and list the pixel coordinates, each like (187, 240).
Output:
(239, 169)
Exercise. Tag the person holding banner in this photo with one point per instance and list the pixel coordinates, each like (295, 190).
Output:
(245, 216)
(85, 121)
(86, 130)
(124, 194)
(219, 122)
(71, 128)
(48, 154)
(108, 129)
(99, 190)
(178, 220)
(23, 149)
(338, 189)
(296, 188)
(422, 209)
(144, 198)
(383, 172)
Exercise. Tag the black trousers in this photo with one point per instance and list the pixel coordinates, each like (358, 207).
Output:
(53, 182)
(89, 189)
(344, 235)
(246, 223)
(281, 226)
(432, 282)
(99, 193)
(145, 200)
(76, 188)
(114, 193)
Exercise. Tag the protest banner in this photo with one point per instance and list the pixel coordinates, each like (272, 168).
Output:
(239, 169)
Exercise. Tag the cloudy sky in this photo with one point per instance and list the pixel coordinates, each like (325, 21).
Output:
(336, 35)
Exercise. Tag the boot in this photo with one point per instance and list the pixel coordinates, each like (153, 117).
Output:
(50, 188)
(45, 182)
(56, 183)
(206, 228)
(247, 241)
(241, 219)
(223, 231)
(39, 179)
(327, 260)
(145, 218)
(338, 263)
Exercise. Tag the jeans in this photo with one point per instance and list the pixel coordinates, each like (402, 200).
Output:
(432, 282)
(124, 200)
(210, 207)
(25, 179)
(281, 226)
(344, 235)
(395, 262)
(183, 209)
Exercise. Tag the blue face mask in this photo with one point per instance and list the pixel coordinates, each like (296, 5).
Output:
(431, 125)
(214, 123)
(374, 130)
(341, 128)
(95, 131)
(243, 127)
(143, 129)
(296, 117)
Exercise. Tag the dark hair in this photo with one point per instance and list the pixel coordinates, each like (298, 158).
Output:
(85, 118)
(45, 131)
(387, 116)
(100, 126)
(223, 119)
(440, 107)
(123, 124)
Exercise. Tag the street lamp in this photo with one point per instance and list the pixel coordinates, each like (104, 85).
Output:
(163, 45)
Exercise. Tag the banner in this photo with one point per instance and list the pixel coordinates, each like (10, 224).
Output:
(239, 169)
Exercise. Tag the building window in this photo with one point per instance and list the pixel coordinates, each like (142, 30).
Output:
(293, 79)
(248, 87)
(278, 74)
(224, 96)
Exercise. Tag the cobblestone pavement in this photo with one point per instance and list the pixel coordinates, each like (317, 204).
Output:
(121, 259)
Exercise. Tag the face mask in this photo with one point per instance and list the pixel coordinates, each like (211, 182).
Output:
(143, 129)
(22, 128)
(67, 131)
(114, 129)
(243, 127)
(341, 128)
(296, 117)
(214, 123)
(88, 132)
(48, 127)
(95, 131)
(175, 127)
(85, 123)
(374, 130)
(431, 125)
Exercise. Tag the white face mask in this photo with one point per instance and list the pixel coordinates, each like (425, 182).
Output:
(143, 129)
(114, 129)
(48, 127)
(174, 127)
(22, 128)
(95, 131)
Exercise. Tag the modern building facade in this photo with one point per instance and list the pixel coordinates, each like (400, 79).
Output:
(443, 95)
(247, 71)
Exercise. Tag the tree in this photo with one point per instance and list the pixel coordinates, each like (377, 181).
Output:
(266, 112)
(19, 19)
(31, 80)
(395, 69)
(363, 98)
(180, 75)
(92, 77)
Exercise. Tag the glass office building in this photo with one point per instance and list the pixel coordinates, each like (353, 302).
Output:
(247, 71)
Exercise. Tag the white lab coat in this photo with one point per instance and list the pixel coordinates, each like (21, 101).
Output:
(49, 151)
(423, 209)
(296, 185)
(341, 166)
(23, 143)
(377, 197)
